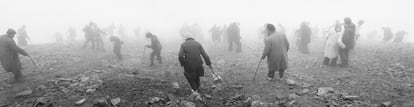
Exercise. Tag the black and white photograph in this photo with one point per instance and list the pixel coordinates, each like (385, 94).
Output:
(206, 53)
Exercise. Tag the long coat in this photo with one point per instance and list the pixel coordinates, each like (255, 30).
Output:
(9, 51)
(190, 58)
(305, 35)
(233, 33)
(22, 37)
(276, 47)
(117, 43)
(348, 37)
(155, 43)
(331, 45)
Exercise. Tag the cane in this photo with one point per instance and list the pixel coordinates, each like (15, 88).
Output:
(31, 59)
(257, 69)
(143, 56)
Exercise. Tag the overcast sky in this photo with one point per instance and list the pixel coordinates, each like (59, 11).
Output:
(46, 17)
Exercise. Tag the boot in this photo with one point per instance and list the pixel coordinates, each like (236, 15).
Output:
(18, 76)
(333, 61)
(326, 61)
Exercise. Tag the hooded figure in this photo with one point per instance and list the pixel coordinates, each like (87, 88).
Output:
(304, 38)
(117, 46)
(233, 33)
(155, 46)
(88, 30)
(190, 58)
(9, 57)
(348, 38)
(22, 36)
(97, 34)
(275, 50)
(333, 42)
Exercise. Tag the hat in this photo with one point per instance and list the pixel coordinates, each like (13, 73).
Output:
(148, 34)
(11, 31)
(347, 20)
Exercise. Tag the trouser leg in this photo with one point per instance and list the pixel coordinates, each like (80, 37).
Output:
(117, 51)
(333, 61)
(86, 43)
(230, 46)
(239, 48)
(326, 61)
(305, 48)
(197, 83)
(93, 44)
(344, 58)
(346, 54)
(194, 81)
(152, 57)
(271, 74)
(100, 44)
(18, 76)
(341, 55)
(281, 73)
(159, 56)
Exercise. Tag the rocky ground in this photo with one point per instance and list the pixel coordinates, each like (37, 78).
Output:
(380, 75)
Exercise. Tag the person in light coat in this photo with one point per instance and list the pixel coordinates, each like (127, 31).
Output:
(332, 44)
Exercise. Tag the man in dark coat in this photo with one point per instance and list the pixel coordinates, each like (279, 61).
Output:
(276, 48)
(88, 30)
(155, 46)
(22, 36)
(97, 34)
(117, 46)
(9, 57)
(190, 58)
(348, 38)
(304, 38)
(233, 33)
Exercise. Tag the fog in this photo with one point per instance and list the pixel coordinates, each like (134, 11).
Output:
(44, 18)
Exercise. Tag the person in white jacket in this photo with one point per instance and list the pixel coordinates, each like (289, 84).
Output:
(332, 44)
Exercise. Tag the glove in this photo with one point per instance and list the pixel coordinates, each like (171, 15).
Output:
(263, 57)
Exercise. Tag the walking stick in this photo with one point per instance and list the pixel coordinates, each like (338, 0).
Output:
(31, 59)
(143, 56)
(257, 69)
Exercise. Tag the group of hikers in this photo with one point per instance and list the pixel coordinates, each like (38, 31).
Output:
(340, 40)
(229, 34)
(388, 35)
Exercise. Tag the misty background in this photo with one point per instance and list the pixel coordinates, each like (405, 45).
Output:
(43, 18)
